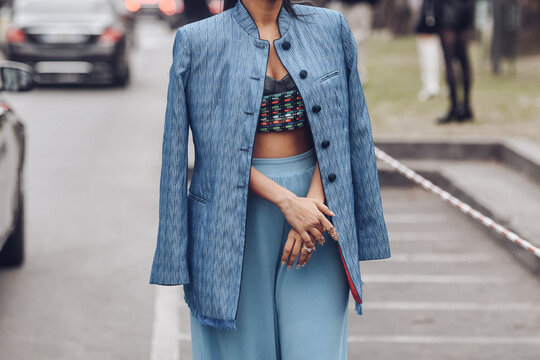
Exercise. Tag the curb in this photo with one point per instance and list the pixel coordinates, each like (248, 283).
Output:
(521, 154)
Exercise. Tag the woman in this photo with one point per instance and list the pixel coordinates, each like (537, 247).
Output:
(456, 18)
(284, 161)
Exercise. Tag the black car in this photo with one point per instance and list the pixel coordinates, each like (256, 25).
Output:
(13, 77)
(75, 41)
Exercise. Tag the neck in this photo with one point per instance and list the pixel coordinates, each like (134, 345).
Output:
(263, 12)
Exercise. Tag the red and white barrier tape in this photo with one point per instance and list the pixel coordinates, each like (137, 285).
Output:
(467, 209)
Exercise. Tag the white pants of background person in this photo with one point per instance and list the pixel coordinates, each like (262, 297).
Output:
(428, 47)
(360, 19)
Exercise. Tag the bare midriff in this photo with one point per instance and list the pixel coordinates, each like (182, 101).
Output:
(283, 143)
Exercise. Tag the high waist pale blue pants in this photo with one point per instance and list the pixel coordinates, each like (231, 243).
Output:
(282, 314)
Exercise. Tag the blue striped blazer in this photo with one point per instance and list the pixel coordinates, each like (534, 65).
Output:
(216, 84)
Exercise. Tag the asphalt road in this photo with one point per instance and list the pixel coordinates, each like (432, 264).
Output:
(92, 176)
(92, 184)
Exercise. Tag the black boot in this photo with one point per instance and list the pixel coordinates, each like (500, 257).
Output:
(452, 115)
(465, 114)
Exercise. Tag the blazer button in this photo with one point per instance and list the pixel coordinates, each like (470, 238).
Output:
(325, 143)
(303, 74)
(286, 45)
(332, 177)
(316, 108)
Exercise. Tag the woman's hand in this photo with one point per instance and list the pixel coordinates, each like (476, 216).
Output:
(293, 247)
(306, 216)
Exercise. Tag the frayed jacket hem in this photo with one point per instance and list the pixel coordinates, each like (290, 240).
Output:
(213, 322)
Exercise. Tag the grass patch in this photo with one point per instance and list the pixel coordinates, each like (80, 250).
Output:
(504, 105)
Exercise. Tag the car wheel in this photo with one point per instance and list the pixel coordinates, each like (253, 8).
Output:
(121, 77)
(121, 67)
(13, 252)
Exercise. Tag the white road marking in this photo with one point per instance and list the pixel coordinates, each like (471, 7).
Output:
(166, 328)
(438, 279)
(475, 340)
(440, 258)
(447, 306)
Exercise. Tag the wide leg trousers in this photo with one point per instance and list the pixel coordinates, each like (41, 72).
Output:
(282, 314)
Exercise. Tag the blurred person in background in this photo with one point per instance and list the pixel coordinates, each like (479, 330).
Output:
(428, 47)
(359, 15)
(506, 21)
(456, 18)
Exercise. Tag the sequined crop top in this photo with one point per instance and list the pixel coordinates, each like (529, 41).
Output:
(282, 107)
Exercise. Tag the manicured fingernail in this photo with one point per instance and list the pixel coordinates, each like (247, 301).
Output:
(333, 233)
(298, 266)
(289, 267)
(282, 263)
(332, 213)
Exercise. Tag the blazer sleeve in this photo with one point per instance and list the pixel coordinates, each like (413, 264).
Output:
(373, 240)
(170, 265)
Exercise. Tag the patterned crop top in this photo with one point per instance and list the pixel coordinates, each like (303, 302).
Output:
(282, 106)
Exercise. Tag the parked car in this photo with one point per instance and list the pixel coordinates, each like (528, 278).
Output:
(82, 41)
(173, 11)
(13, 77)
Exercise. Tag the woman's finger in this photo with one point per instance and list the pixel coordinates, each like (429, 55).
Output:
(329, 227)
(306, 237)
(324, 208)
(312, 234)
(295, 251)
(288, 247)
(308, 257)
(325, 222)
(302, 258)
(315, 234)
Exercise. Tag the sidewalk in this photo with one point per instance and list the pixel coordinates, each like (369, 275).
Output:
(498, 177)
